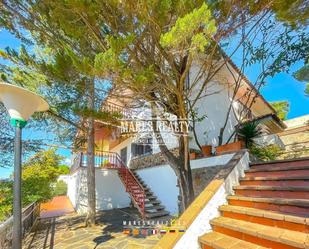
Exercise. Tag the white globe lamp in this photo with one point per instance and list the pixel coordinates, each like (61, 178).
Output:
(20, 104)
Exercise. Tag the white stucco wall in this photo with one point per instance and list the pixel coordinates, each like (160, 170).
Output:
(110, 192)
(162, 182)
(214, 105)
(162, 179)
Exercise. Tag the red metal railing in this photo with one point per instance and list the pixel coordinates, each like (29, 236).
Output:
(112, 160)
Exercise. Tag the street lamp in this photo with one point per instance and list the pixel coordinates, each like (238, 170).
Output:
(20, 104)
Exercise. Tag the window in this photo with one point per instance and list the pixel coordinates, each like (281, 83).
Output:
(141, 149)
(123, 155)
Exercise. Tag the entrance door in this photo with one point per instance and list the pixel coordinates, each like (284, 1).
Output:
(123, 155)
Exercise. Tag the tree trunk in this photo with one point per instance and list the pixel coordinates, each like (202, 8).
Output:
(186, 179)
(180, 164)
(90, 219)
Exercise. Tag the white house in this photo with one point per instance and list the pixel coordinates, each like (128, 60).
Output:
(159, 184)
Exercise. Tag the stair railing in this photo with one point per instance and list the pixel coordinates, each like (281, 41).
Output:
(112, 160)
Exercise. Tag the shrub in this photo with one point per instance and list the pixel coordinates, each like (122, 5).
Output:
(61, 188)
(265, 153)
(249, 131)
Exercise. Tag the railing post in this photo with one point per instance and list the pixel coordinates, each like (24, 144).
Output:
(126, 179)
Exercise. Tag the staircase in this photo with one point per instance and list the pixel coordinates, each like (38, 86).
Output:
(142, 197)
(270, 209)
(153, 207)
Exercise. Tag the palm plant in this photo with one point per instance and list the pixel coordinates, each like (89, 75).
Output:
(249, 131)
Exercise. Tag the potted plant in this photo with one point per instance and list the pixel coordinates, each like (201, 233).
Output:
(231, 147)
(248, 131)
(206, 149)
(193, 155)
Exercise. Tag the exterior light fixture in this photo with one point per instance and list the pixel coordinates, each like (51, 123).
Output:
(20, 104)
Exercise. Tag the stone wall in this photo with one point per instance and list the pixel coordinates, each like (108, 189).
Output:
(149, 160)
(296, 138)
(203, 176)
(296, 143)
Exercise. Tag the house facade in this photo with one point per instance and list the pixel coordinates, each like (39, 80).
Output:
(218, 109)
(130, 167)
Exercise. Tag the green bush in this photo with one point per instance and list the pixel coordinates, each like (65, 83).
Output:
(64, 170)
(39, 181)
(265, 153)
(6, 199)
(61, 188)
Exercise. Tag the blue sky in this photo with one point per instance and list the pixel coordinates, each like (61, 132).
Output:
(281, 87)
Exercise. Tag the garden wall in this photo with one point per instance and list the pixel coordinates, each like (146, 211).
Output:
(110, 191)
(163, 182)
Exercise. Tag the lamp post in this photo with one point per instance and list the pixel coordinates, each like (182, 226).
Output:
(20, 104)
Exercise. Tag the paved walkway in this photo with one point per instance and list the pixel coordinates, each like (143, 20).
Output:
(58, 206)
(69, 232)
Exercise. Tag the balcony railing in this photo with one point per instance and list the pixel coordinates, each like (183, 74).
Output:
(116, 109)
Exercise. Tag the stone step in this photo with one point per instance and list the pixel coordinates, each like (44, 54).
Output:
(155, 207)
(281, 163)
(156, 214)
(275, 178)
(214, 240)
(270, 237)
(152, 202)
(277, 168)
(265, 217)
(291, 192)
(148, 192)
(274, 188)
(280, 173)
(275, 181)
(150, 197)
(290, 206)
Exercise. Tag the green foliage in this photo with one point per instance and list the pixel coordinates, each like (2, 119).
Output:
(282, 108)
(60, 188)
(266, 153)
(249, 131)
(195, 28)
(39, 174)
(293, 12)
(303, 75)
(64, 169)
(6, 199)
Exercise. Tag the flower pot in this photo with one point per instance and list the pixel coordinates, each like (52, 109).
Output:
(193, 155)
(207, 149)
(232, 147)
